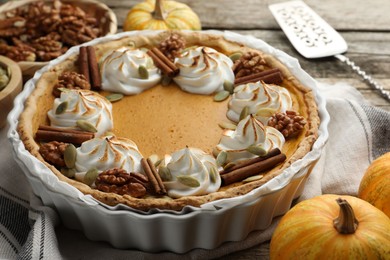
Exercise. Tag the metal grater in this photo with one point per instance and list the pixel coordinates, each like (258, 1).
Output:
(313, 37)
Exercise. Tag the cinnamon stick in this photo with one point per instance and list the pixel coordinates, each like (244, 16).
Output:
(66, 137)
(153, 177)
(83, 63)
(250, 170)
(163, 63)
(241, 164)
(272, 76)
(96, 82)
(64, 130)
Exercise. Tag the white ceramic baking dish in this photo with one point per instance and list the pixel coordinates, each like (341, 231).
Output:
(206, 227)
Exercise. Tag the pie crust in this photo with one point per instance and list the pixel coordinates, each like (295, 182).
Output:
(41, 101)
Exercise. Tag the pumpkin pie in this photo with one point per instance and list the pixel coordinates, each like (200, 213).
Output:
(174, 119)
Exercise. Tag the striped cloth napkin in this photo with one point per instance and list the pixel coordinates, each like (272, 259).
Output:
(358, 134)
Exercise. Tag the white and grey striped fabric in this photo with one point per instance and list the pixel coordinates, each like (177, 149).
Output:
(359, 133)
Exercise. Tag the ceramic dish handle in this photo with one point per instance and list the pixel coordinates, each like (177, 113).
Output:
(375, 85)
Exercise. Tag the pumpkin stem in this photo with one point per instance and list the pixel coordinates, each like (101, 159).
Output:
(158, 12)
(345, 223)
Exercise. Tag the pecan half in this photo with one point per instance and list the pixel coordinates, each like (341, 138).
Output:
(53, 153)
(289, 123)
(71, 80)
(120, 182)
(172, 46)
(249, 63)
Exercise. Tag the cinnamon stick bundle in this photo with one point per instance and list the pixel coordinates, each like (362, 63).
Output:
(153, 176)
(163, 63)
(252, 169)
(272, 76)
(89, 67)
(49, 133)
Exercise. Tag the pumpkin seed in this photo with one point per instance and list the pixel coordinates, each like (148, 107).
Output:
(227, 125)
(70, 173)
(143, 72)
(228, 86)
(115, 97)
(131, 44)
(149, 63)
(213, 175)
(86, 126)
(244, 113)
(221, 158)
(265, 112)
(62, 108)
(70, 155)
(164, 173)
(252, 178)
(188, 181)
(235, 56)
(229, 165)
(165, 81)
(154, 158)
(158, 162)
(221, 95)
(63, 89)
(257, 150)
(90, 176)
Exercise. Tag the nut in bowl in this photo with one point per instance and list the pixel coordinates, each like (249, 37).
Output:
(10, 86)
(209, 176)
(33, 32)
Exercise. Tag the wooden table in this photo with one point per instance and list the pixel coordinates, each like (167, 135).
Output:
(365, 25)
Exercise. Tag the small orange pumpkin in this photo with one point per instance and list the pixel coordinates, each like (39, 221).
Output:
(161, 15)
(332, 227)
(375, 184)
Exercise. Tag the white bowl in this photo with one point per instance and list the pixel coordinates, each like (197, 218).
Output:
(206, 227)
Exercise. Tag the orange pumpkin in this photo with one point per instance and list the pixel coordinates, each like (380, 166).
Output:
(332, 227)
(375, 184)
(161, 15)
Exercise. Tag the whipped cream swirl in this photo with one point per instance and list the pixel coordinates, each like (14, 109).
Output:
(120, 71)
(82, 105)
(249, 131)
(264, 100)
(196, 166)
(108, 152)
(203, 70)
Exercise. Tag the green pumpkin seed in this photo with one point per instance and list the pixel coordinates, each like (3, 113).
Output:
(86, 126)
(131, 44)
(227, 125)
(252, 178)
(70, 173)
(235, 56)
(265, 112)
(149, 63)
(70, 155)
(228, 86)
(62, 108)
(63, 89)
(244, 113)
(143, 72)
(165, 81)
(154, 158)
(164, 173)
(115, 97)
(221, 158)
(188, 181)
(221, 95)
(90, 176)
(257, 150)
(229, 165)
(213, 175)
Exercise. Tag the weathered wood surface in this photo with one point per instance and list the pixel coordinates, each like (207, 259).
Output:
(365, 25)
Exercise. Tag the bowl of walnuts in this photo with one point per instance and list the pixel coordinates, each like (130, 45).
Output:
(34, 32)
